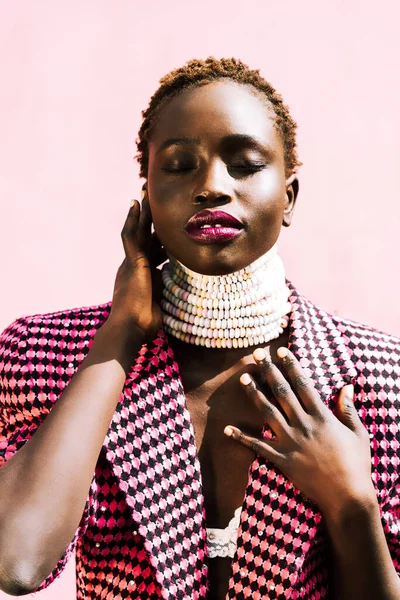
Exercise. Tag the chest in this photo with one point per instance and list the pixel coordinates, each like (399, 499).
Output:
(215, 400)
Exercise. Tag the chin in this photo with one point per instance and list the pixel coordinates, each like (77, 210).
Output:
(221, 262)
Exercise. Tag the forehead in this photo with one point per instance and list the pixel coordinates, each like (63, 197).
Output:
(214, 110)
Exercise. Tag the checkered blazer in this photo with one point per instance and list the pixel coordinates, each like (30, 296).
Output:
(142, 533)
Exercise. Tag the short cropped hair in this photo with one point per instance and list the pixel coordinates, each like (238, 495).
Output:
(198, 72)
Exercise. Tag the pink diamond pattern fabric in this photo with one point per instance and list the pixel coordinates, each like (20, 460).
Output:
(142, 534)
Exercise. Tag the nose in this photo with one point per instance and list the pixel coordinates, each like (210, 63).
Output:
(213, 184)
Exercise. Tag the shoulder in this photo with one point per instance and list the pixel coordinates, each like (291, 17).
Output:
(71, 321)
(41, 351)
(364, 341)
(357, 337)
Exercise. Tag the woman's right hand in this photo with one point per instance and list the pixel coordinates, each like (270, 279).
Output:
(138, 283)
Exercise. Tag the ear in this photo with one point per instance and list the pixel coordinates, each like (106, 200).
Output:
(292, 189)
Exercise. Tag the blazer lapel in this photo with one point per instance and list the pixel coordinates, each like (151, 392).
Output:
(280, 534)
(320, 346)
(151, 448)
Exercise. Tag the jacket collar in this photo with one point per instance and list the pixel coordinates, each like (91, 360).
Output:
(279, 527)
(315, 339)
(151, 448)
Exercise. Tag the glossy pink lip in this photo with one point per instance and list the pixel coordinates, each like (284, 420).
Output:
(212, 218)
(221, 227)
(213, 235)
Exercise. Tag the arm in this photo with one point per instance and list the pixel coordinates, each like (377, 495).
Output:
(363, 565)
(328, 459)
(44, 485)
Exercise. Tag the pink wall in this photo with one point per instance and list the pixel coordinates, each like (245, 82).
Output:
(74, 79)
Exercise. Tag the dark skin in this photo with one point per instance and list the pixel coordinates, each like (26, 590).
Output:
(245, 175)
(326, 456)
(210, 381)
(217, 147)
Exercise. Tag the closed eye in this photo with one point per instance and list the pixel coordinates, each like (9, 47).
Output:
(247, 168)
(241, 168)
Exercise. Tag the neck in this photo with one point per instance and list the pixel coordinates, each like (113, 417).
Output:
(238, 310)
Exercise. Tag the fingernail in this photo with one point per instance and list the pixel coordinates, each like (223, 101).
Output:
(282, 352)
(259, 354)
(228, 431)
(245, 379)
(132, 203)
(349, 391)
(143, 194)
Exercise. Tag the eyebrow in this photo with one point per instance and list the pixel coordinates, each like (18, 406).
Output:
(247, 140)
(182, 141)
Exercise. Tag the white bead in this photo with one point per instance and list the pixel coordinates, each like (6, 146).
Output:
(250, 305)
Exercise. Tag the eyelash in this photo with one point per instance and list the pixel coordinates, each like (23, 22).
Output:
(254, 168)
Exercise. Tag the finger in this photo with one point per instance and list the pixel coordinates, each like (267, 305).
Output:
(271, 413)
(301, 384)
(346, 411)
(144, 224)
(279, 387)
(260, 447)
(157, 254)
(129, 231)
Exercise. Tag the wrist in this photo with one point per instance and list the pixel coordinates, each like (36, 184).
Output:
(116, 341)
(122, 332)
(357, 508)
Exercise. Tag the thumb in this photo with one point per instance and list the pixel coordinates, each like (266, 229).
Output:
(346, 412)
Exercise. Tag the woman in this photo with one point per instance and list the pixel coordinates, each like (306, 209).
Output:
(217, 151)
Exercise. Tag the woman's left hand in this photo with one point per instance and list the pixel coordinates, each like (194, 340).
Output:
(326, 457)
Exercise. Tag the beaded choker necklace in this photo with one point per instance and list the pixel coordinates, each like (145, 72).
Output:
(245, 308)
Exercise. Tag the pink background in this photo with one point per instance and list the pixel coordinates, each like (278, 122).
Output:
(74, 79)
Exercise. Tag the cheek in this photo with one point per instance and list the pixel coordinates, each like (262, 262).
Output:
(267, 196)
(165, 222)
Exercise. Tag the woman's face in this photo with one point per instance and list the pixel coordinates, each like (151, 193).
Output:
(214, 153)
